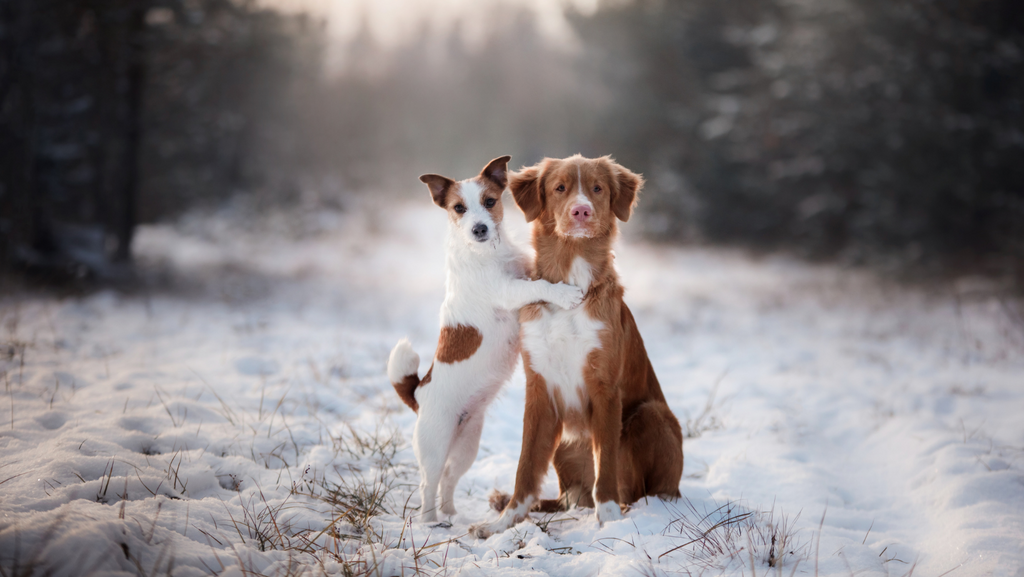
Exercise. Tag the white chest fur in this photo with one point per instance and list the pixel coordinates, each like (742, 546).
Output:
(560, 340)
(580, 274)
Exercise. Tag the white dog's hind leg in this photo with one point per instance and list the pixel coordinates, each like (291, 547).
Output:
(431, 443)
(460, 458)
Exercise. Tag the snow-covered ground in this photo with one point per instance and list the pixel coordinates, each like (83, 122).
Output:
(235, 418)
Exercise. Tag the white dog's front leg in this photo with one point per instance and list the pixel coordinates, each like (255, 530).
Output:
(519, 293)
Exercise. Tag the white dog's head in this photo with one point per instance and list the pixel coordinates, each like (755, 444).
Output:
(474, 205)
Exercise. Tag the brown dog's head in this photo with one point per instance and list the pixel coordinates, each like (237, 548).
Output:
(579, 197)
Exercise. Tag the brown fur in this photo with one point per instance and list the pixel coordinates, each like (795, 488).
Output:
(494, 179)
(439, 187)
(407, 388)
(457, 343)
(626, 442)
(493, 192)
(453, 198)
(447, 193)
(498, 500)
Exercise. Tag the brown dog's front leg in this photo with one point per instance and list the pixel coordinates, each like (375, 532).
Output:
(542, 430)
(606, 427)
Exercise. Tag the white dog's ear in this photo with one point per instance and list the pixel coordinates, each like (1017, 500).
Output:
(439, 187)
(527, 187)
(496, 171)
(624, 191)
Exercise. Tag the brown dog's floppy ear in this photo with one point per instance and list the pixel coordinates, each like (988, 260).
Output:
(528, 190)
(624, 192)
(438, 186)
(496, 171)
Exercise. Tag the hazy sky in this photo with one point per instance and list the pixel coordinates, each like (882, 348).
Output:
(392, 20)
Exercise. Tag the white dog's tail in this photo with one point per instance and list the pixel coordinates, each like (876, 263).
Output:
(403, 365)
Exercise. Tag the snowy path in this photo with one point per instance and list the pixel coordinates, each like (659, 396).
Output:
(221, 426)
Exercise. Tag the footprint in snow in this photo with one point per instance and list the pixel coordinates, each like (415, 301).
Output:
(52, 420)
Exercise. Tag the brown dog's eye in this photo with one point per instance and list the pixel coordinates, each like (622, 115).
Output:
(560, 188)
(597, 188)
(490, 202)
(460, 209)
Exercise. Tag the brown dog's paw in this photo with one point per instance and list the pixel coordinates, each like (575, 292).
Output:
(498, 500)
(480, 530)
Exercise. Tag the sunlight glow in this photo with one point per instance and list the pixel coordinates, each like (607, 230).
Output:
(391, 21)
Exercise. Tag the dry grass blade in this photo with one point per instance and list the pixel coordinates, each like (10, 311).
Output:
(719, 535)
(707, 533)
(226, 410)
(817, 544)
(706, 420)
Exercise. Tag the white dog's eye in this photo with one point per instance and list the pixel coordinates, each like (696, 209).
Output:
(460, 209)
(489, 203)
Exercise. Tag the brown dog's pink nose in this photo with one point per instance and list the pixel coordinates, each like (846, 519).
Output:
(581, 212)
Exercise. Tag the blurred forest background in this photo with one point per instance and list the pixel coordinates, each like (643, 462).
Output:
(880, 132)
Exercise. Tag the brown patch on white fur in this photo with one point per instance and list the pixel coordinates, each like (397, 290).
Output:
(439, 187)
(492, 192)
(446, 193)
(492, 180)
(529, 313)
(407, 388)
(453, 200)
(625, 440)
(457, 343)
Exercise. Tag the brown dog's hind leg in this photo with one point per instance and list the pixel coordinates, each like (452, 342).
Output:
(542, 430)
(606, 435)
(651, 453)
(499, 500)
(574, 464)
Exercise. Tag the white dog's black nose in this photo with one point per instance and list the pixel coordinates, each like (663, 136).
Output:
(480, 231)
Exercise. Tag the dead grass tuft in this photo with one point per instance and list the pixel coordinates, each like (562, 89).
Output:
(707, 419)
(716, 536)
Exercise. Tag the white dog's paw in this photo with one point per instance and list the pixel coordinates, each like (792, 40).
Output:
(428, 517)
(448, 509)
(566, 296)
(608, 511)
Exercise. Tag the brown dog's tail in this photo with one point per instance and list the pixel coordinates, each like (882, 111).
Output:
(403, 365)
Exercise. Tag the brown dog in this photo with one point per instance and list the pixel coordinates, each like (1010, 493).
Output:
(593, 403)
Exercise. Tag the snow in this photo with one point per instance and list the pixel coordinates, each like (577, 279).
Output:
(235, 417)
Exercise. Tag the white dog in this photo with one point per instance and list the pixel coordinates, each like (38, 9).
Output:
(485, 287)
